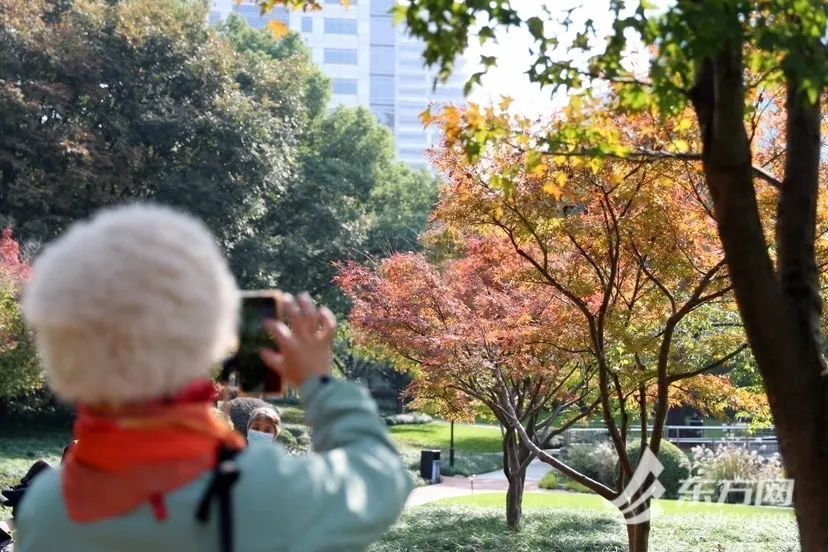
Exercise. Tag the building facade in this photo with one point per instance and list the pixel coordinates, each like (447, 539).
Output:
(370, 62)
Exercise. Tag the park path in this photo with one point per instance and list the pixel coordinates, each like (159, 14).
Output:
(486, 482)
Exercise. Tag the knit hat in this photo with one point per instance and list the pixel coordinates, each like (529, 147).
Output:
(132, 305)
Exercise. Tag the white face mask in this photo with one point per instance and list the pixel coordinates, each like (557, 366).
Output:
(255, 437)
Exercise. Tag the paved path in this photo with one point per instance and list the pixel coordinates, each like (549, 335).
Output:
(534, 472)
(487, 482)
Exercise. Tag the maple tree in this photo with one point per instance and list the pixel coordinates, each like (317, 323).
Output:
(451, 325)
(629, 251)
(711, 57)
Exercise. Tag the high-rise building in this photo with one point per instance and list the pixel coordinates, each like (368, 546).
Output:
(371, 63)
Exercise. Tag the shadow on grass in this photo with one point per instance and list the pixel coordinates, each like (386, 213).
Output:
(478, 529)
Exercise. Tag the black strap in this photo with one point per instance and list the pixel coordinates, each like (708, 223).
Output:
(225, 475)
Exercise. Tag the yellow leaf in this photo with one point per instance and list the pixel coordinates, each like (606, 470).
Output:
(552, 189)
(539, 169)
(277, 29)
(505, 102)
(684, 124)
(561, 178)
(427, 117)
(681, 145)
(523, 140)
(346, 4)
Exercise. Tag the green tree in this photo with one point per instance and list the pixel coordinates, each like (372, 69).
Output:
(19, 365)
(352, 198)
(105, 102)
(401, 206)
(290, 49)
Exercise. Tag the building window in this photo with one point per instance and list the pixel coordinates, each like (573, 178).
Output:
(382, 31)
(384, 114)
(340, 26)
(345, 86)
(411, 152)
(339, 56)
(412, 78)
(382, 89)
(382, 7)
(448, 92)
(307, 24)
(382, 60)
(411, 137)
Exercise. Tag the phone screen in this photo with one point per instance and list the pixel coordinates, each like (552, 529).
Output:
(253, 377)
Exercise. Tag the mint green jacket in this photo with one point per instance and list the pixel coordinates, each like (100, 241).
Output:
(342, 496)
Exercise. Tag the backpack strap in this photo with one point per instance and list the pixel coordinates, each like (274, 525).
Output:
(225, 475)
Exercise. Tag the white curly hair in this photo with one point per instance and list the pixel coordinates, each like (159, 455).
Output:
(132, 305)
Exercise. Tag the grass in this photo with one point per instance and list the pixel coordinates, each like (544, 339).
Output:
(19, 451)
(581, 502)
(468, 438)
(477, 448)
(569, 522)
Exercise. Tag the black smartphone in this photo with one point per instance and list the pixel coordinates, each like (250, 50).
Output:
(252, 376)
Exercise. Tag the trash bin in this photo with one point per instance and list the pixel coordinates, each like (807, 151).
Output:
(430, 465)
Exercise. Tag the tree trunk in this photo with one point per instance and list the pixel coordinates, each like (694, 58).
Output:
(778, 310)
(516, 457)
(638, 537)
(514, 500)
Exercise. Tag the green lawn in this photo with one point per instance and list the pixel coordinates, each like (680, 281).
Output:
(469, 438)
(581, 501)
(477, 448)
(19, 451)
(568, 522)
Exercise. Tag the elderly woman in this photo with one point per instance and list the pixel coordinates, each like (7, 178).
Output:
(131, 311)
(264, 425)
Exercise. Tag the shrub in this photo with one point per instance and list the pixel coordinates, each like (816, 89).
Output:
(292, 415)
(287, 439)
(412, 418)
(304, 441)
(468, 463)
(601, 464)
(549, 481)
(296, 429)
(676, 466)
(574, 486)
(596, 462)
(20, 373)
(729, 462)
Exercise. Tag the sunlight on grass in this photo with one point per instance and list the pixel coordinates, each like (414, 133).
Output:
(470, 438)
(580, 501)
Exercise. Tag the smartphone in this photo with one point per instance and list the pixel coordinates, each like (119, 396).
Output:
(251, 374)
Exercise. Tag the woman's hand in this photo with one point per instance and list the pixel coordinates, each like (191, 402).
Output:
(305, 346)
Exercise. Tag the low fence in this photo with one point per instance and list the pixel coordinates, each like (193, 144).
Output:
(763, 440)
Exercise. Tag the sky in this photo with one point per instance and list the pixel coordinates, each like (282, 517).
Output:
(513, 52)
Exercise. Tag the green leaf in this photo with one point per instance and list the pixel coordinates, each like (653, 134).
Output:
(535, 25)
(475, 79)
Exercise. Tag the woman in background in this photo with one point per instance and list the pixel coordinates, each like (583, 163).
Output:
(264, 425)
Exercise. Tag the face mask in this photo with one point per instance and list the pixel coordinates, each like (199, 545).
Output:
(255, 437)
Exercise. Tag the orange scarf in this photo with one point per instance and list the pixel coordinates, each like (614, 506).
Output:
(141, 454)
